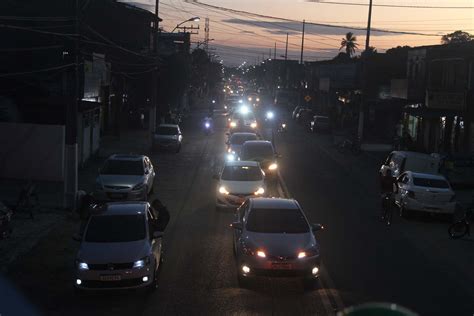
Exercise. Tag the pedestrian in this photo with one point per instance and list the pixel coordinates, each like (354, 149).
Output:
(86, 204)
(163, 215)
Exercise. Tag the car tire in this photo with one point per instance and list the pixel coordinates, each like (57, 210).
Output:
(310, 283)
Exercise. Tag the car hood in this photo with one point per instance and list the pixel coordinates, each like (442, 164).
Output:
(280, 244)
(264, 162)
(166, 137)
(113, 252)
(242, 187)
(120, 180)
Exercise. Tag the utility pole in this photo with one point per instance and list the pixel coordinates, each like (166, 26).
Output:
(269, 53)
(275, 51)
(286, 48)
(302, 43)
(154, 79)
(206, 35)
(72, 106)
(360, 129)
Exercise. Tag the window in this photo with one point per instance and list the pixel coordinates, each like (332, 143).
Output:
(242, 173)
(167, 130)
(431, 183)
(252, 151)
(123, 167)
(277, 221)
(116, 228)
(239, 139)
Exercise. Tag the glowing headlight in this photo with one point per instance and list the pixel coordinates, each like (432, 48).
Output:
(245, 269)
(229, 150)
(301, 255)
(233, 124)
(250, 99)
(253, 125)
(207, 125)
(244, 109)
(225, 107)
(258, 99)
(273, 166)
(230, 157)
(223, 190)
(260, 191)
(241, 101)
(270, 115)
(141, 263)
(82, 266)
(283, 125)
(261, 254)
(315, 270)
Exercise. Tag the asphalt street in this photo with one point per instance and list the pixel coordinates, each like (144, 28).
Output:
(412, 263)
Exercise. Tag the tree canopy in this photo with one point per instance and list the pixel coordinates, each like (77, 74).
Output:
(457, 37)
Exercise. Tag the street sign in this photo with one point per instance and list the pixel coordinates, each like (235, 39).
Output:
(307, 98)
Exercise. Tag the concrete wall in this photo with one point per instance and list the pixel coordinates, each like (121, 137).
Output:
(30, 151)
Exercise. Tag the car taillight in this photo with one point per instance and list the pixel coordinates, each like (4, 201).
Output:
(411, 194)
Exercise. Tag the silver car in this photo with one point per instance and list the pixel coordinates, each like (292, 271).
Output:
(120, 249)
(272, 237)
(168, 136)
(125, 177)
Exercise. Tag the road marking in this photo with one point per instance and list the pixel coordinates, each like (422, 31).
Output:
(324, 293)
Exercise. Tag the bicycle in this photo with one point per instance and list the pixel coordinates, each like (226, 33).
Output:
(461, 228)
(387, 208)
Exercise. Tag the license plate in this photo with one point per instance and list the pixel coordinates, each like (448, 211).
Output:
(110, 277)
(281, 266)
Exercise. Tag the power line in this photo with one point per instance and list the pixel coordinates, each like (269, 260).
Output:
(390, 5)
(24, 49)
(11, 74)
(14, 27)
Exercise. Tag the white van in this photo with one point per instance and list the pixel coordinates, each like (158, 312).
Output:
(401, 161)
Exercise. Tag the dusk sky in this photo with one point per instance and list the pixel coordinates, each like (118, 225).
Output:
(240, 37)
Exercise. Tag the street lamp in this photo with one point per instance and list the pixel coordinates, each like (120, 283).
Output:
(193, 19)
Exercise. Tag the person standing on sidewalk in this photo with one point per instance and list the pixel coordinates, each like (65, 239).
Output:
(86, 205)
(163, 215)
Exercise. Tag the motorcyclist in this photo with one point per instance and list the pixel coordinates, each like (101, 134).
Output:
(208, 122)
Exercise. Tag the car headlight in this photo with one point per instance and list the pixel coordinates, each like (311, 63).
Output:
(82, 265)
(261, 254)
(141, 263)
(139, 186)
(258, 99)
(233, 124)
(253, 125)
(223, 190)
(230, 157)
(229, 150)
(250, 99)
(260, 191)
(273, 166)
(301, 255)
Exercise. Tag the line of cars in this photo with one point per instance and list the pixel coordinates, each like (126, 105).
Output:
(271, 236)
(312, 121)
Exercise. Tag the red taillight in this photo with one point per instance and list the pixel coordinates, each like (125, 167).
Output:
(411, 194)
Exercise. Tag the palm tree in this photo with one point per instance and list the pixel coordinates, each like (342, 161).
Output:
(349, 43)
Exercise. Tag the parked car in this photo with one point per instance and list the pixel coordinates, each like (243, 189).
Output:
(320, 123)
(272, 237)
(125, 177)
(168, 136)
(424, 192)
(236, 140)
(120, 249)
(238, 181)
(263, 152)
(401, 161)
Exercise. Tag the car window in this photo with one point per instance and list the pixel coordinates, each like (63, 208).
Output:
(167, 130)
(237, 139)
(252, 151)
(241, 173)
(123, 167)
(116, 228)
(430, 183)
(277, 221)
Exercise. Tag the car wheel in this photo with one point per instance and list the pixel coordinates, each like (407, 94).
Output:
(310, 283)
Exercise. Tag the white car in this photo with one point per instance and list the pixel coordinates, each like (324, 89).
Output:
(125, 177)
(168, 136)
(121, 248)
(238, 181)
(424, 192)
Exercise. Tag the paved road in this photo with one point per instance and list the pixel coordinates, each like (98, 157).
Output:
(412, 263)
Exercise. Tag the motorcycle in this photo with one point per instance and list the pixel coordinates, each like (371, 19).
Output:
(282, 128)
(207, 127)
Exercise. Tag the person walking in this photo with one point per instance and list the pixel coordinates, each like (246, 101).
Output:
(163, 215)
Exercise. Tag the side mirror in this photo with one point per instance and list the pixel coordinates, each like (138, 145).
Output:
(215, 177)
(157, 235)
(77, 237)
(237, 225)
(317, 227)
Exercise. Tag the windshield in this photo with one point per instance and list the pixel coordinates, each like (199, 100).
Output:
(431, 183)
(239, 139)
(277, 221)
(116, 228)
(123, 167)
(252, 151)
(167, 130)
(241, 173)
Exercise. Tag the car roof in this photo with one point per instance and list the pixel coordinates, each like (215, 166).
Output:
(168, 125)
(426, 175)
(276, 203)
(123, 208)
(243, 134)
(127, 157)
(243, 163)
(258, 143)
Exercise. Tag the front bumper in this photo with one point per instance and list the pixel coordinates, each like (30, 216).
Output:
(115, 195)
(275, 267)
(415, 205)
(114, 279)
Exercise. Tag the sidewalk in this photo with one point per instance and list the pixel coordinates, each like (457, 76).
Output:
(28, 232)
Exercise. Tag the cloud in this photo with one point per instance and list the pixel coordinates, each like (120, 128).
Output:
(283, 27)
